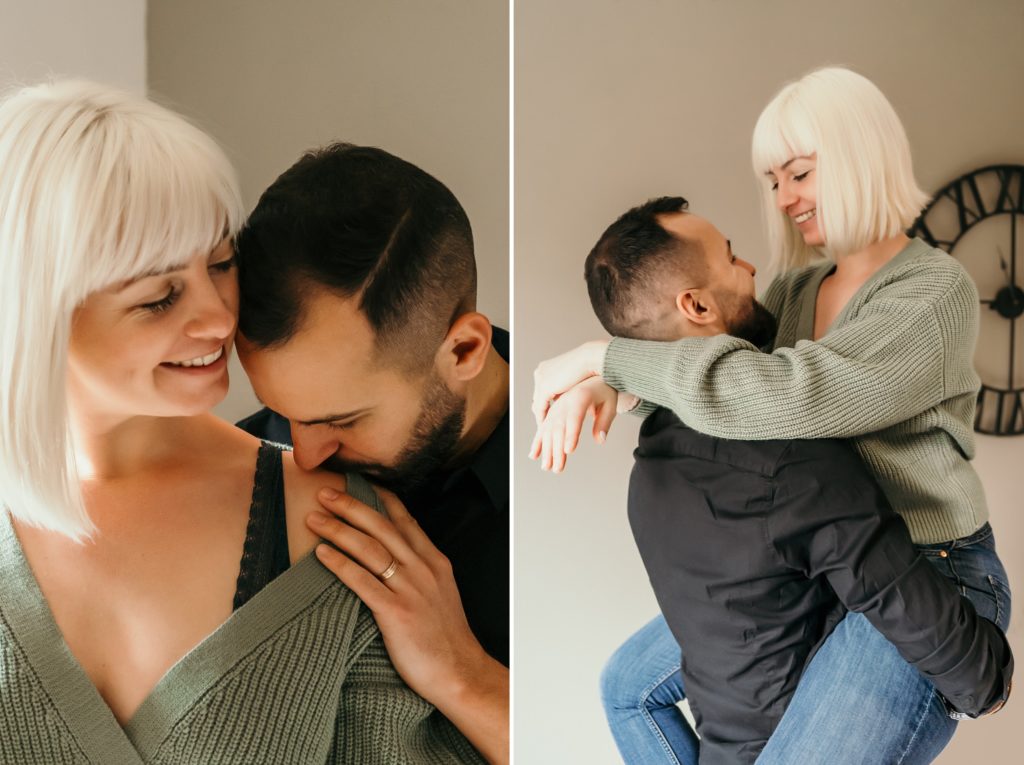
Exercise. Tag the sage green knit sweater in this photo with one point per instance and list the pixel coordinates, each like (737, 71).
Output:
(894, 373)
(297, 676)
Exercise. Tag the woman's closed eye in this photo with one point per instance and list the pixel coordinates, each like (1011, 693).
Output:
(159, 306)
(223, 266)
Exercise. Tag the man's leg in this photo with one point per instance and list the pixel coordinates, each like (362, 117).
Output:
(860, 702)
(640, 687)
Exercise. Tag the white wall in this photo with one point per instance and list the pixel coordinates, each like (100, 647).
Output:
(617, 102)
(427, 81)
(103, 40)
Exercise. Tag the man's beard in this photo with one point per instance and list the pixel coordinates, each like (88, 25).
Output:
(430, 447)
(755, 323)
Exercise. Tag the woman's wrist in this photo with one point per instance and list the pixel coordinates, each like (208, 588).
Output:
(594, 352)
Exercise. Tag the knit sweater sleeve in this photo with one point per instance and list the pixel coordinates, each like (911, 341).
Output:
(381, 721)
(885, 363)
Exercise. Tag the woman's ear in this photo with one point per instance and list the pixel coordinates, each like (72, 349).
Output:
(465, 348)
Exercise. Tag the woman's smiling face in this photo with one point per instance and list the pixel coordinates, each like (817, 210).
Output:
(158, 345)
(796, 195)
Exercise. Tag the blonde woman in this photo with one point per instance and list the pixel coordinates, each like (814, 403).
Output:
(875, 344)
(140, 535)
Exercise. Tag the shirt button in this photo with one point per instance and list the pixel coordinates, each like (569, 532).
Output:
(943, 554)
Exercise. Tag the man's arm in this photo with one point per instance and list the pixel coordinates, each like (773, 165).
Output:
(832, 519)
(419, 612)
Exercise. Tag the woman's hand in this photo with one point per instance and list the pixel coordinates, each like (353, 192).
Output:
(555, 376)
(408, 585)
(559, 433)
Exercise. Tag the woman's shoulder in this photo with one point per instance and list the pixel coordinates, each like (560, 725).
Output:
(929, 273)
(301, 488)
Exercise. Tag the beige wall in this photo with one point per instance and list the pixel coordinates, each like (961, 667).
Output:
(427, 81)
(617, 102)
(103, 40)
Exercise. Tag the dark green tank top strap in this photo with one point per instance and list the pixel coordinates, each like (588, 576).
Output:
(265, 554)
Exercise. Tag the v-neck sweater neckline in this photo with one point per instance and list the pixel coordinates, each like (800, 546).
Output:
(77, 699)
(809, 307)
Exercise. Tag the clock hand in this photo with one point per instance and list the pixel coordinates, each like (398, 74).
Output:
(1002, 265)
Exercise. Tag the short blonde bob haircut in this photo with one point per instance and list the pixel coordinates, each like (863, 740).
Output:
(96, 187)
(865, 182)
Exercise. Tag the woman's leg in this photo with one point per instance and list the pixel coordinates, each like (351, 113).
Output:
(860, 702)
(640, 687)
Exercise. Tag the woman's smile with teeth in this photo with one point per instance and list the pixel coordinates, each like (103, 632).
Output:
(201, 361)
(805, 216)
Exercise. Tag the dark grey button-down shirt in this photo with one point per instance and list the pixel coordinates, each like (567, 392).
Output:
(756, 548)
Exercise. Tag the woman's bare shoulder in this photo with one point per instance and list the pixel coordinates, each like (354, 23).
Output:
(300, 499)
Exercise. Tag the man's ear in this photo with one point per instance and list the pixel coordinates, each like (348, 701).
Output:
(465, 347)
(697, 306)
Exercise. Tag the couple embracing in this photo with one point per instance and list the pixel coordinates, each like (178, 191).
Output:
(803, 498)
(176, 589)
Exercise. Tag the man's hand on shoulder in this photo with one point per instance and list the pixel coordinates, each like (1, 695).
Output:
(409, 586)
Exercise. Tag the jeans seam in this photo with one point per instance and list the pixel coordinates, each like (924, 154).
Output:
(997, 596)
(917, 728)
(649, 718)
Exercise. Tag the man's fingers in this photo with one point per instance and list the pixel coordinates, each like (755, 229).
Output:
(368, 587)
(408, 527)
(360, 516)
(370, 553)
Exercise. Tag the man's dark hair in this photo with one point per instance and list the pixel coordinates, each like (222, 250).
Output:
(631, 258)
(358, 222)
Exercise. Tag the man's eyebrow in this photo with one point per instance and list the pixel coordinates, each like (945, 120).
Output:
(335, 417)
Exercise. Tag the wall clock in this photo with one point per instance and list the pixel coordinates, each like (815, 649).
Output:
(975, 219)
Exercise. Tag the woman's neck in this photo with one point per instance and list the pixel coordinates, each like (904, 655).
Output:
(109, 448)
(861, 265)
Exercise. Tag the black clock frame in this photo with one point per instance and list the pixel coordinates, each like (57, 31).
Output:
(1008, 302)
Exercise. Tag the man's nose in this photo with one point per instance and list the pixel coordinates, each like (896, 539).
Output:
(747, 266)
(311, 449)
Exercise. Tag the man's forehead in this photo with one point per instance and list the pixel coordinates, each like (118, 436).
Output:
(690, 226)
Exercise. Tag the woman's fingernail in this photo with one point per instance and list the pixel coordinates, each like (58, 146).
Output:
(317, 519)
(601, 437)
(328, 493)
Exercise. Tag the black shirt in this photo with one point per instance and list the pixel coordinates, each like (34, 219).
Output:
(754, 547)
(466, 515)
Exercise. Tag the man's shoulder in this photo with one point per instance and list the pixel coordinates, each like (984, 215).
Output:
(664, 436)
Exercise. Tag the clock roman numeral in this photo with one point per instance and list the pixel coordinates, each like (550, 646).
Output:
(1006, 201)
(969, 205)
(921, 229)
(999, 412)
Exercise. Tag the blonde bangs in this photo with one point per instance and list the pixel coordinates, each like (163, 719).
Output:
(785, 129)
(97, 187)
(164, 195)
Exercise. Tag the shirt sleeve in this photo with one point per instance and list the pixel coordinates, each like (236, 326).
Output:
(879, 368)
(842, 527)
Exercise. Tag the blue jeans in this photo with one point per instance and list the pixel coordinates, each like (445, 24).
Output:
(857, 702)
